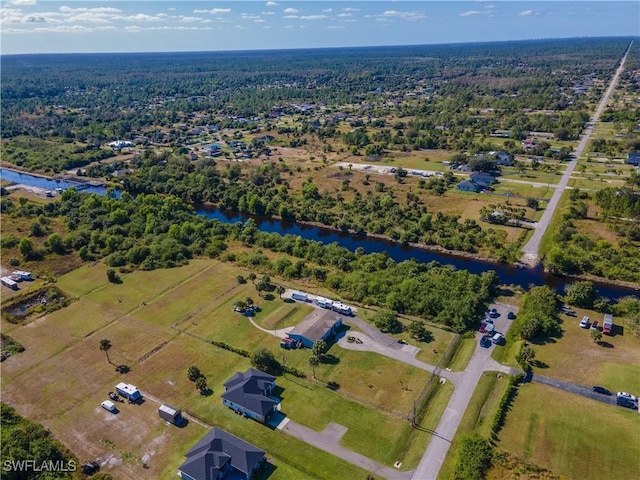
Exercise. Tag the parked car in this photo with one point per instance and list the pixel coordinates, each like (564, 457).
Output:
(488, 321)
(109, 406)
(497, 338)
(623, 402)
(594, 326)
(511, 316)
(601, 390)
(483, 327)
(90, 468)
(485, 342)
(401, 341)
(569, 311)
(493, 313)
(584, 323)
(626, 396)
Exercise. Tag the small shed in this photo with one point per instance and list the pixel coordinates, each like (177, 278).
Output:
(170, 414)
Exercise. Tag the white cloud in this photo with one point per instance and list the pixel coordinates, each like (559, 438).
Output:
(268, 13)
(186, 19)
(345, 15)
(22, 2)
(139, 17)
(64, 29)
(336, 27)
(88, 18)
(214, 11)
(350, 9)
(266, 27)
(489, 6)
(259, 20)
(313, 17)
(65, 9)
(327, 10)
(469, 13)
(291, 16)
(412, 16)
(288, 26)
(272, 4)
(290, 10)
(526, 13)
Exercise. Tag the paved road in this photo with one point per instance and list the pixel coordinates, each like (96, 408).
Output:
(480, 362)
(530, 250)
(573, 388)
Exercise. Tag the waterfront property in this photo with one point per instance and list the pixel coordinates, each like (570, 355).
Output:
(248, 393)
(319, 325)
(221, 455)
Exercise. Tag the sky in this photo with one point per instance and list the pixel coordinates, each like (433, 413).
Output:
(44, 26)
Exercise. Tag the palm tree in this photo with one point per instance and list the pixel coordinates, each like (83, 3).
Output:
(314, 362)
(105, 345)
(280, 289)
(252, 277)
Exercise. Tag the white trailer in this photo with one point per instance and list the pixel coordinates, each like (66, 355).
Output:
(607, 324)
(324, 302)
(7, 282)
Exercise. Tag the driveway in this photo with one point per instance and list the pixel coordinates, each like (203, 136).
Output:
(573, 388)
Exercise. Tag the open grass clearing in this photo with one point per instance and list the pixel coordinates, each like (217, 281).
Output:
(574, 357)
(572, 435)
(463, 354)
(477, 417)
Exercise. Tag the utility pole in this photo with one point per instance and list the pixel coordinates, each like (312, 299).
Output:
(284, 366)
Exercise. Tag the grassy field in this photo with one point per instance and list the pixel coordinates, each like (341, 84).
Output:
(477, 417)
(572, 435)
(574, 356)
(373, 397)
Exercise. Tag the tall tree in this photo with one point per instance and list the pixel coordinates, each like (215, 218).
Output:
(314, 362)
(105, 345)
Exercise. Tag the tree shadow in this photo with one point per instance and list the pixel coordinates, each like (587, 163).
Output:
(207, 392)
(288, 300)
(268, 297)
(605, 344)
(539, 364)
(333, 386)
(123, 369)
(329, 359)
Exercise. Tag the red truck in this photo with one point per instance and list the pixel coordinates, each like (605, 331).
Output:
(607, 324)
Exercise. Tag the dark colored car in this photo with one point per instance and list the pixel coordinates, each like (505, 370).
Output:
(90, 468)
(511, 316)
(623, 402)
(601, 390)
(485, 342)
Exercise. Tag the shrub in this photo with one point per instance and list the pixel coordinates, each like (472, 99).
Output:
(474, 458)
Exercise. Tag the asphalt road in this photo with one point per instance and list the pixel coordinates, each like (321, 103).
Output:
(577, 389)
(530, 250)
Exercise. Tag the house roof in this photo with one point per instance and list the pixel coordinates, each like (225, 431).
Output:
(468, 184)
(246, 389)
(316, 325)
(207, 457)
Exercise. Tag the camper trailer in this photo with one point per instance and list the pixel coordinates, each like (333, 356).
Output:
(301, 297)
(130, 392)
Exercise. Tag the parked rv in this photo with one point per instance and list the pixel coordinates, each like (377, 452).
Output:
(301, 297)
(607, 324)
(324, 302)
(130, 392)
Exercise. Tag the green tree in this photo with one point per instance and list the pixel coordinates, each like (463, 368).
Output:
(252, 277)
(25, 247)
(314, 362)
(581, 294)
(105, 346)
(193, 373)
(240, 279)
(319, 349)
(201, 384)
(262, 359)
(113, 276)
(280, 290)
(387, 321)
(596, 335)
(418, 330)
(474, 458)
(525, 357)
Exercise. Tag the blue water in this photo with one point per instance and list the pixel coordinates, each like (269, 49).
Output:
(46, 183)
(508, 274)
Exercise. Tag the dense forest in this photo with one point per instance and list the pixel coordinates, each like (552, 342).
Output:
(149, 232)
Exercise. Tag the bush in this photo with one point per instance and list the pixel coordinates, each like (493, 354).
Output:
(474, 458)
(387, 321)
(14, 262)
(505, 403)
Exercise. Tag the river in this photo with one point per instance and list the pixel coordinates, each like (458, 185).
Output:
(508, 274)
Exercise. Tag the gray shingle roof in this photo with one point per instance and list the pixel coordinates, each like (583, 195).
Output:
(214, 450)
(247, 389)
(316, 325)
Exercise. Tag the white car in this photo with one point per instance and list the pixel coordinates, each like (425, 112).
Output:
(584, 323)
(627, 396)
(109, 406)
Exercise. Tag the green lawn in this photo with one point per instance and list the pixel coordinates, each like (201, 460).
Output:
(477, 417)
(463, 354)
(572, 435)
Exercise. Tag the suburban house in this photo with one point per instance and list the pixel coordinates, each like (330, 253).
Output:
(502, 158)
(633, 158)
(248, 393)
(319, 325)
(212, 150)
(468, 186)
(218, 455)
(483, 179)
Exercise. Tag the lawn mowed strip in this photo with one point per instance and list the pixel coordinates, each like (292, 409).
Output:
(572, 435)
(478, 416)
